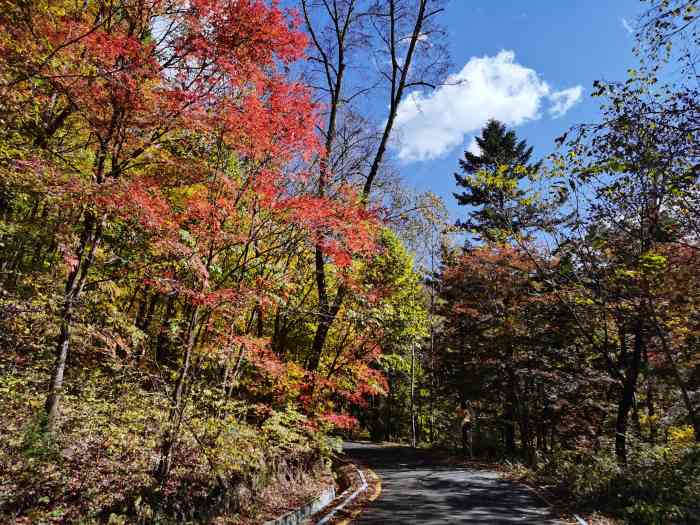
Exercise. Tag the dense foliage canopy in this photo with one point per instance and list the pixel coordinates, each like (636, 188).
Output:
(161, 216)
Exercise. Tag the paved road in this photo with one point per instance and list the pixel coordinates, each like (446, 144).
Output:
(416, 490)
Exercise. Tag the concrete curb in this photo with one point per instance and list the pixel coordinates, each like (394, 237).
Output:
(363, 486)
(302, 514)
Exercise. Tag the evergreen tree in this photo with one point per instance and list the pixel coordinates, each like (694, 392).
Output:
(491, 180)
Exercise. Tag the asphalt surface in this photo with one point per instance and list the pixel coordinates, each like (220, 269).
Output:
(417, 490)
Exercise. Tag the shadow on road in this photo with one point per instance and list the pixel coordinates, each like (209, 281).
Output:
(416, 490)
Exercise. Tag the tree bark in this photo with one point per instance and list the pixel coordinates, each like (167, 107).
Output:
(85, 255)
(413, 410)
(508, 426)
(628, 391)
(322, 329)
(177, 405)
(162, 343)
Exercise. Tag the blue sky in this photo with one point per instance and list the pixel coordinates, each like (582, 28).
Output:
(542, 55)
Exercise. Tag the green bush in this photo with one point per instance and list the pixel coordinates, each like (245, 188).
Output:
(659, 485)
(98, 467)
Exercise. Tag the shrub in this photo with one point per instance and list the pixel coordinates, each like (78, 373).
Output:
(98, 467)
(660, 483)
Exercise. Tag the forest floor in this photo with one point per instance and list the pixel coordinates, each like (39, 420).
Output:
(418, 487)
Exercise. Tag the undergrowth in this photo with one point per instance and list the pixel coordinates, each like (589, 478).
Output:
(659, 485)
(233, 463)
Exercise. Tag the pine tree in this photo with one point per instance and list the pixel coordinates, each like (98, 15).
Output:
(491, 180)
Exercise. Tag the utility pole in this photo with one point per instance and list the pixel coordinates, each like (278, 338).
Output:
(413, 412)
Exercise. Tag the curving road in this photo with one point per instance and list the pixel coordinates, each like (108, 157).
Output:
(417, 490)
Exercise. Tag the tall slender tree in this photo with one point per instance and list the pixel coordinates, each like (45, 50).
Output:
(491, 181)
(346, 35)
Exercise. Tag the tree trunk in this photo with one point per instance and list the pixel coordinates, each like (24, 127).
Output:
(413, 411)
(526, 433)
(328, 315)
(509, 414)
(85, 254)
(54, 398)
(162, 343)
(623, 409)
(628, 391)
(389, 414)
(509, 427)
(177, 406)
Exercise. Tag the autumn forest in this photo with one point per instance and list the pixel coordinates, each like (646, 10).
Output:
(212, 272)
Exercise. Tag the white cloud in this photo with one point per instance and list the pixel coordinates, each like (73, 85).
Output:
(628, 27)
(431, 125)
(474, 147)
(564, 100)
